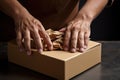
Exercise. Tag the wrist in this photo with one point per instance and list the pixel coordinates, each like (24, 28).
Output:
(18, 13)
(85, 16)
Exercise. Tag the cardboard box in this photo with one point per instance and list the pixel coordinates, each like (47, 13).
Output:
(58, 64)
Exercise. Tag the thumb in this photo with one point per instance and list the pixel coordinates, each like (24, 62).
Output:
(62, 29)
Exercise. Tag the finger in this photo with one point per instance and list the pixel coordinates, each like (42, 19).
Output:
(37, 40)
(45, 37)
(74, 39)
(86, 39)
(47, 40)
(19, 40)
(81, 41)
(27, 41)
(62, 29)
(67, 38)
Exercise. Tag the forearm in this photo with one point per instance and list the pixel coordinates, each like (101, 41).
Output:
(11, 7)
(92, 8)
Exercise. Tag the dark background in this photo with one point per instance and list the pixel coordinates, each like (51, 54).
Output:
(104, 27)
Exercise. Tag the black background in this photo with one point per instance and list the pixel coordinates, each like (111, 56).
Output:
(107, 25)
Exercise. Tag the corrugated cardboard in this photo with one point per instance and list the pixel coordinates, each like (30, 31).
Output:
(58, 64)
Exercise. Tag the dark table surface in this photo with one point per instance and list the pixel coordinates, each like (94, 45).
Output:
(108, 69)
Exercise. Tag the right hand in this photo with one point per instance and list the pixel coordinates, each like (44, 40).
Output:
(26, 27)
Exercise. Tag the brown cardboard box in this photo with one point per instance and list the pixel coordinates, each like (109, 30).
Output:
(58, 64)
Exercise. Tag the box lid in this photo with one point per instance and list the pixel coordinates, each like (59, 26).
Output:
(64, 55)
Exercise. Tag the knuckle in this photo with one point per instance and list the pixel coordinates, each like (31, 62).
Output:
(24, 28)
(50, 45)
(76, 27)
(68, 28)
(81, 33)
(65, 45)
(26, 38)
(46, 36)
(34, 29)
(81, 43)
(80, 38)
(39, 22)
(86, 36)
(37, 37)
(73, 45)
(73, 38)
(82, 29)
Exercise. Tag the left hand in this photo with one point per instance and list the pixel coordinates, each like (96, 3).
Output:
(77, 35)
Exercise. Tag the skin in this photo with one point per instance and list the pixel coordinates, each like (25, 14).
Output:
(26, 26)
(77, 32)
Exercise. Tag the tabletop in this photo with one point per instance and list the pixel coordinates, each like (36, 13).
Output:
(108, 69)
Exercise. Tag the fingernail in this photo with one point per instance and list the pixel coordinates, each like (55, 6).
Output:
(28, 53)
(40, 51)
(66, 49)
(51, 48)
(85, 46)
(73, 50)
(82, 49)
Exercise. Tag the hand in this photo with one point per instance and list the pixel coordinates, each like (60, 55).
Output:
(77, 35)
(26, 27)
